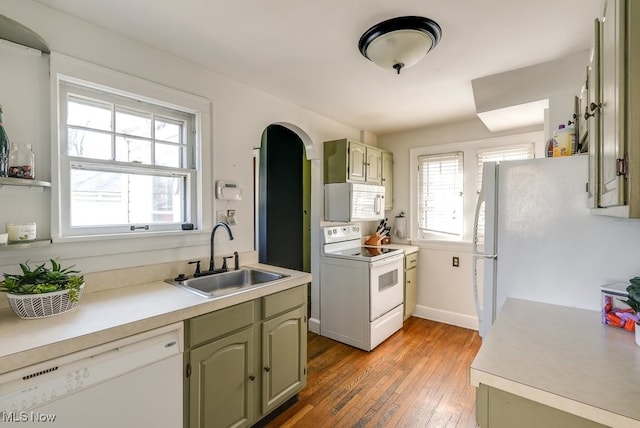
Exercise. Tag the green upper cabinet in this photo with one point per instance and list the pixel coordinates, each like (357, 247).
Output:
(612, 89)
(387, 179)
(357, 162)
(613, 112)
(351, 161)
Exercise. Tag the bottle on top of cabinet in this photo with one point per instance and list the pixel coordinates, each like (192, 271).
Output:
(4, 149)
(564, 141)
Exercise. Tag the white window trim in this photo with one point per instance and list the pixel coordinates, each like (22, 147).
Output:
(469, 148)
(79, 72)
(68, 162)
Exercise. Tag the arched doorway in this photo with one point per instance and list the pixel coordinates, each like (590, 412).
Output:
(284, 199)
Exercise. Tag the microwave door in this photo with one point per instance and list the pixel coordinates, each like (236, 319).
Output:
(366, 206)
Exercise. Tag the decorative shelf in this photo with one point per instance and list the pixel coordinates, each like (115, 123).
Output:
(9, 181)
(22, 245)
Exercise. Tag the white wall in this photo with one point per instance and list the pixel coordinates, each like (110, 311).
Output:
(240, 114)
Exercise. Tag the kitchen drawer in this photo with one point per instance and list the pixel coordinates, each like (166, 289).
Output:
(411, 260)
(219, 323)
(283, 301)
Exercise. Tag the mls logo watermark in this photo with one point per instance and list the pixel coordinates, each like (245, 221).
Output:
(27, 417)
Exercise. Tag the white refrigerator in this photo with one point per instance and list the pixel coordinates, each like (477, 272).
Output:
(541, 242)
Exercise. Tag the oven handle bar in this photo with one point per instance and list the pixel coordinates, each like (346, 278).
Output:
(387, 261)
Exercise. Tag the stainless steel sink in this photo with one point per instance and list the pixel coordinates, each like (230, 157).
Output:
(225, 283)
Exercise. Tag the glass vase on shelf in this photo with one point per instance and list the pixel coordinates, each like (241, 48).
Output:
(22, 162)
(4, 149)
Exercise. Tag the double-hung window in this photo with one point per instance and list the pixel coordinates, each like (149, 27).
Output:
(497, 154)
(126, 164)
(440, 191)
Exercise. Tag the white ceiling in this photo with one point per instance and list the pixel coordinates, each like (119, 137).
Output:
(306, 51)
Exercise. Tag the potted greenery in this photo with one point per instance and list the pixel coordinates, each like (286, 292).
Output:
(634, 302)
(42, 291)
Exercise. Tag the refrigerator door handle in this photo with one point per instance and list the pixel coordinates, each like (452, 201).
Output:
(476, 297)
(476, 219)
(476, 294)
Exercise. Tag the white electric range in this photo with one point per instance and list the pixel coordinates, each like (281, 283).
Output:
(361, 289)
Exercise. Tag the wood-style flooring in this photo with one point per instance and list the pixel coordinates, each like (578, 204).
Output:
(419, 377)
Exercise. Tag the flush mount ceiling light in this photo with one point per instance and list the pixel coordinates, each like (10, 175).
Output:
(400, 42)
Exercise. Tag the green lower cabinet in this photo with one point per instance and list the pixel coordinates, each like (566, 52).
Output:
(244, 361)
(499, 409)
(284, 357)
(221, 385)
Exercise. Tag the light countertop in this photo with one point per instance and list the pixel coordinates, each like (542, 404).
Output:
(408, 249)
(564, 358)
(112, 314)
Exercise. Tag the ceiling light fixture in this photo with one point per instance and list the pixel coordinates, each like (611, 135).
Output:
(399, 42)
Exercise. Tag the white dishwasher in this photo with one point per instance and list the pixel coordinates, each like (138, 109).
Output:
(131, 382)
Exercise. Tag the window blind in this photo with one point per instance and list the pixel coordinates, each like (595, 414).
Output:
(440, 180)
(498, 154)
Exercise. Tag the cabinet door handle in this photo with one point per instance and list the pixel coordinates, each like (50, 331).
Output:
(252, 378)
(267, 369)
(592, 107)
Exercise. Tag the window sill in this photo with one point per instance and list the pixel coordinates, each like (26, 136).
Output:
(131, 235)
(132, 245)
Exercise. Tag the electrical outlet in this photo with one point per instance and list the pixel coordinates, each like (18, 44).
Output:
(456, 261)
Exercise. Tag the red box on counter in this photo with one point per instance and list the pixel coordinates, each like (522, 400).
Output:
(615, 312)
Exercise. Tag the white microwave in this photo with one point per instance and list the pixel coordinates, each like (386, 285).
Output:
(353, 202)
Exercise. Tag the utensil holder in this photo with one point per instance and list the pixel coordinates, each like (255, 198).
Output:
(374, 239)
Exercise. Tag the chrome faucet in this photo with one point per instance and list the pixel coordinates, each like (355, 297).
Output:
(213, 234)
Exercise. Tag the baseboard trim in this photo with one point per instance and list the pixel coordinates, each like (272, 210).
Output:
(447, 317)
(314, 325)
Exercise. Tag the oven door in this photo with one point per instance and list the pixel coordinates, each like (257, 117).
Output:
(386, 279)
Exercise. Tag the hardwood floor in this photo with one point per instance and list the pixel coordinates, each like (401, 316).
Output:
(419, 377)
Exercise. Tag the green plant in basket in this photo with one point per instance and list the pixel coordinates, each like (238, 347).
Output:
(634, 294)
(42, 279)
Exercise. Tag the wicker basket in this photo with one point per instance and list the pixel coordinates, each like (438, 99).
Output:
(30, 306)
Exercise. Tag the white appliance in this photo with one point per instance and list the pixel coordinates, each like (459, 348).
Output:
(353, 202)
(542, 243)
(361, 289)
(133, 382)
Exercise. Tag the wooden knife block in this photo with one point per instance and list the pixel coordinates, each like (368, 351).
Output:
(374, 239)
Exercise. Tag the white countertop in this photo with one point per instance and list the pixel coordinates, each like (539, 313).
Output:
(408, 249)
(565, 358)
(112, 314)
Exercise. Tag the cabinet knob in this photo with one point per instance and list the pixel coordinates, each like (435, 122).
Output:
(267, 369)
(592, 107)
(587, 115)
(252, 378)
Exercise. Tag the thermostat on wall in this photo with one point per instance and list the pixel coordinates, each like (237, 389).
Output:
(228, 190)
